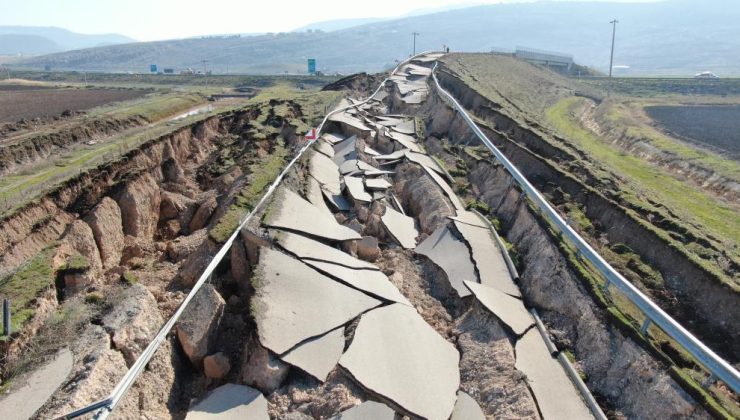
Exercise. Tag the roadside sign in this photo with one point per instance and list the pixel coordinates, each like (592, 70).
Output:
(312, 65)
(152, 68)
(311, 135)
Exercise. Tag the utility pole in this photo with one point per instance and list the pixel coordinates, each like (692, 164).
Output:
(205, 73)
(415, 34)
(614, 34)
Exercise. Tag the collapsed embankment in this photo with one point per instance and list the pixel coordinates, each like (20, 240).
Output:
(699, 298)
(36, 147)
(119, 246)
(627, 376)
(595, 117)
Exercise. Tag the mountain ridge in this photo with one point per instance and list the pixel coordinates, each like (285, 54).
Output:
(665, 38)
(31, 40)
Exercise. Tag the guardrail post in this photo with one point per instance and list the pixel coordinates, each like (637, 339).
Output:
(605, 288)
(645, 326)
(6, 317)
(711, 379)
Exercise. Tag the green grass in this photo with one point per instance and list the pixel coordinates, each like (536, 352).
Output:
(261, 175)
(171, 80)
(617, 114)
(646, 180)
(627, 317)
(648, 87)
(129, 278)
(76, 263)
(154, 107)
(27, 284)
(17, 190)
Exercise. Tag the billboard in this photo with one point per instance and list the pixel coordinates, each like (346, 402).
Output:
(312, 65)
(152, 68)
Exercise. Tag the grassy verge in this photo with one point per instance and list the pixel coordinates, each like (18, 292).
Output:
(619, 311)
(628, 319)
(619, 115)
(153, 107)
(644, 180)
(19, 189)
(26, 284)
(313, 106)
(261, 174)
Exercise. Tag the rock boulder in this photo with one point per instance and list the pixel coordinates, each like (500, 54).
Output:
(262, 369)
(216, 366)
(139, 202)
(203, 214)
(199, 323)
(133, 322)
(107, 227)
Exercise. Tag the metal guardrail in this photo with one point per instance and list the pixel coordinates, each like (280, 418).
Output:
(716, 366)
(106, 406)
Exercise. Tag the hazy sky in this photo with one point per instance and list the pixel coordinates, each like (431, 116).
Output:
(148, 20)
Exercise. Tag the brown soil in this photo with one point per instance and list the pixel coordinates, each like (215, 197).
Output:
(552, 284)
(149, 247)
(38, 103)
(692, 294)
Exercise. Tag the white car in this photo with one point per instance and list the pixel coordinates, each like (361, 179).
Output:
(706, 75)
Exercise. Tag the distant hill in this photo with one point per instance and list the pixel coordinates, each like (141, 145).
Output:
(33, 40)
(674, 37)
(13, 44)
(337, 24)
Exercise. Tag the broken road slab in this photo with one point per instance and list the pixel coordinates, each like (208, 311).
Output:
(230, 401)
(508, 309)
(466, 408)
(345, 118)
(293, 302)
(333, 138)
(425, 160)
(325, 148)
(398, 154)
(452, 256)
(326, 172)
(306, 248)
(446, 188)
(377, 184)
(488, 259)
(371, 281)
(291, 211)
(357, 189)
(369, 410)
(398, 356)
(316, 195)
(469, 218)
(370, 151)
(318, 356)
(346, 150)
(337, 201)
(405, 127)
(405, 140)
(556, 395)
(401, 227)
